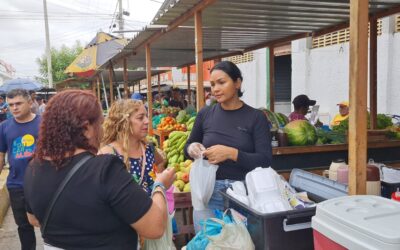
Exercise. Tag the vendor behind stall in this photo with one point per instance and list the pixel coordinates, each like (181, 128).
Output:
(343, 113)
(176, 99)
(301, 105)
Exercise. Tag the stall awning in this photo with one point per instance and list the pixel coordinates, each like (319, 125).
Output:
(236, 26)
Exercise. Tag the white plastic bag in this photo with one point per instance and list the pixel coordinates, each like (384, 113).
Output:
(165, 242)
(202, 182)
(233, 236)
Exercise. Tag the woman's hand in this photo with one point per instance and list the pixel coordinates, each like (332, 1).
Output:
(220, 153)
(167, 177)
(195, 149)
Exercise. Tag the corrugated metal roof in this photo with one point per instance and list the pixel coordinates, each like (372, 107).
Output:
(235, 25)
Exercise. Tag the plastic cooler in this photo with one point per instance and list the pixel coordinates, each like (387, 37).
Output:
(288, 229)
(357, 222)
(387, 189)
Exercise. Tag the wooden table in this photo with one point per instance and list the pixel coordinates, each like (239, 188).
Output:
(310, 157)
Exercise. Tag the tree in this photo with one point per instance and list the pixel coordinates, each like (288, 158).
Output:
(60, 59)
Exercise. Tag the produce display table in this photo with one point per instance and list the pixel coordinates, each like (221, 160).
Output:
(285, 158)
(161, 136)
(184, 214)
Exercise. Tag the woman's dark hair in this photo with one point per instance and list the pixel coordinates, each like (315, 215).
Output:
(64, 123)
(231, 70)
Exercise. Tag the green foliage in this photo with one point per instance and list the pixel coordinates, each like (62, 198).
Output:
(383, 121)
(330, 137)
(342, 127)
(60, 59)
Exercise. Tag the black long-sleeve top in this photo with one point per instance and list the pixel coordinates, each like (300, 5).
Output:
(245, 129)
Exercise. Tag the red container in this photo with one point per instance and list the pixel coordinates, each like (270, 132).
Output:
(396, 195)
(321, 242)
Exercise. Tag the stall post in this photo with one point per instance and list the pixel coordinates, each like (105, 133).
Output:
(271, 79)
(110, 76)
(373, 68)
(126, 88)
(149, 88)
(159, 84)
(358, 96)
(93, 86)
(189, 93)
(98, 89)
(199, 59)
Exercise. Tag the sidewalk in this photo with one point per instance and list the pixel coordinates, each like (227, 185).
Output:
(9, 235)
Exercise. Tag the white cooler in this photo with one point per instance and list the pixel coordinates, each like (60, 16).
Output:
(357, 222)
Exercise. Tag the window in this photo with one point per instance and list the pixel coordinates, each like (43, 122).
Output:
(340, 36)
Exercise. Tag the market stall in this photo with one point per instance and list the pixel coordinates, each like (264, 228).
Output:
(215, 28)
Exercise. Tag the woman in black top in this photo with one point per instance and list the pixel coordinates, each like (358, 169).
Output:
(230, 134)
(101, 207)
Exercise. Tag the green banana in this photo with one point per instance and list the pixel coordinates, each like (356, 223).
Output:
(181, 158)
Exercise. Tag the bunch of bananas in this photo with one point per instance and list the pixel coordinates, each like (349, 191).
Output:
(173, 147)
(190, 123)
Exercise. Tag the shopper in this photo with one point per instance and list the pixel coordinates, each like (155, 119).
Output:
(343, 113)
(3, 109)
(301, 105)
(100, 207)
(230, 134)
(18, 137)
(42, 105)
(35, 104)
(125, 131)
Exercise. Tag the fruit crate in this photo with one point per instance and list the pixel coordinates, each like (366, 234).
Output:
(161, 136)
(184, 214)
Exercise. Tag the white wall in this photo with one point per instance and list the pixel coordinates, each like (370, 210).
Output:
(254, 83)
(323, 73)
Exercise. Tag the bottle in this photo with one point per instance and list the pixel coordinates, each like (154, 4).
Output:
(274, 141)
(373, 180)
(282, 138)
(334, 167)
(396, 195)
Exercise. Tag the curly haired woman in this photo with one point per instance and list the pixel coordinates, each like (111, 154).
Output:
(100, 207)
(125, 131)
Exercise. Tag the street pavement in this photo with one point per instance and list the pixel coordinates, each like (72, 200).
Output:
(9, 235)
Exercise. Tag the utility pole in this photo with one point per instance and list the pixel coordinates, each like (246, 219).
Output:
(120, 18)
(46, 23)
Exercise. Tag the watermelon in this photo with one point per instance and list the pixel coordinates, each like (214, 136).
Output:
(300, 133)
(284, 118)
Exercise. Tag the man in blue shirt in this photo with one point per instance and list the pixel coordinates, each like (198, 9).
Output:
(18, 138)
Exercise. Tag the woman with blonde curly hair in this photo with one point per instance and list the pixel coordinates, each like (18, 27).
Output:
(125, 131)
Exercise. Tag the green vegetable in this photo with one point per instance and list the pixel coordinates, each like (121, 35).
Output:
(330, 137)
(383, 121)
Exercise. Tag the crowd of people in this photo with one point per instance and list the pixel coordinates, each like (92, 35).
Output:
(116, 180)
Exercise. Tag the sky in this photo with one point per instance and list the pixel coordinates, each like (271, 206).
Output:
(23, 29)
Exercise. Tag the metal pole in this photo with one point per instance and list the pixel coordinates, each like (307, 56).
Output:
(104, 89)
(120, 18)
(48, 52)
